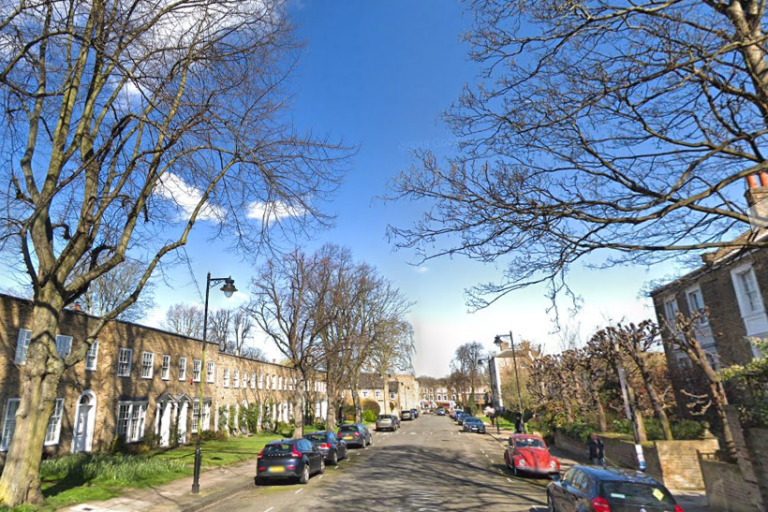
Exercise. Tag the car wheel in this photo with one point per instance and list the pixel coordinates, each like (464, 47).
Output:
(550, 503)
(322, 467)
(335, 459)
(370, 443)
(257, 481)
(304, 478)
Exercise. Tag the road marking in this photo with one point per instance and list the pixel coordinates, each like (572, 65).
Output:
(270, 508)
(321, 477)
(337, 467)
(508, 480)
(492, 462)
(486, 455)
(297, 492)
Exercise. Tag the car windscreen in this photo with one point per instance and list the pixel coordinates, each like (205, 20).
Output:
(529, 442)
(316, 437)
(471, 419)
(279, 448)
(635, 493)
(385, 417)
(348, 428)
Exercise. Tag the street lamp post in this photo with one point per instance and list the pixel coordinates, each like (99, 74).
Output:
(228, 289)
(497, 340)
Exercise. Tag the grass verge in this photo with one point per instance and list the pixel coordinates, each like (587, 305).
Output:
(82, 477)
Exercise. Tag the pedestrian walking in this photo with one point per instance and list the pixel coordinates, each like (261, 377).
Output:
(596, 450)
(519, 425)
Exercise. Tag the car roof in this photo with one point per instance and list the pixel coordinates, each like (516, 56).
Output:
(525, 436)
(618, 475)
(321, 432)
(284, 441)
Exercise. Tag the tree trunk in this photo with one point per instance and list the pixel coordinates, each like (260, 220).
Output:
(721, 400)
(299, 407)
(40, 376)
(330, 413)
(642, 436)
(653, 395)
(356, 402)
(386, 395)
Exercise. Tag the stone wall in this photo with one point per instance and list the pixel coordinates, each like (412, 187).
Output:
(674, 463)
(727, 491)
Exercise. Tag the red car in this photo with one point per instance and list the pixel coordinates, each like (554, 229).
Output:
(529, 454)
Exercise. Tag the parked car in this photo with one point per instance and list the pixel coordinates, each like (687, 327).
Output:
(386, 422)
(332, 448)
(406, 415)
(289, 458)
(455, 413)
(529, 454)
(472, 424)
(356, 434)
(415, 413)
(601, 489)
(460, 417)
(441, 412)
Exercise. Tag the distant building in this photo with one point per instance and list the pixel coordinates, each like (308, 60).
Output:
(504, 379)
(403, 391)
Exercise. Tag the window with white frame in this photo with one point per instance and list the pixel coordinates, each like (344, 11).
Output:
(391, 395)
(378, 393)
(124, 360)
(92, 356)
(274, 382)
(244, 382)
(195, 416)
(749, 291)
(269, 379)
(22, 344)
(197, 368)
(670, 311)
(53, 431)
(130, 420)
(63, 345)
(182, 368)
(9, 423)
(253, 380)
(696, 304)
(206, 415)
(261, 381)
(166, 372)
(226, 377)
(365, 393)
(211, 372)
(280, 383)
(236, 383)
(147, 365)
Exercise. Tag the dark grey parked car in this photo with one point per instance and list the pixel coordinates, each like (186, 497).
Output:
(406, 415)
(592, 488)
(356, 434)
(332, 447)
(289, 458)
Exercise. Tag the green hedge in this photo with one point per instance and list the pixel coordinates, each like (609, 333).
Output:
(682, 430)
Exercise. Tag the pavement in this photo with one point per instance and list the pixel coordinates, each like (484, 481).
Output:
(426, 465)
(690, 501)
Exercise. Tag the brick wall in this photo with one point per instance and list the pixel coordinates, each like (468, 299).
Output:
(674, 463)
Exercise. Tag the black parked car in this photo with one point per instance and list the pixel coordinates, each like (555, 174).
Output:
(597, 489)
(406, 415)
(415, 413)
(356, 434)
(289, 458)
(472, 424)
(332, 447)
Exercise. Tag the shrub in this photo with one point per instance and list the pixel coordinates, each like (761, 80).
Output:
(117, 445)
(232, 420)
(320, 425)
(223, 412)
(371, 405)
(285, 429)
(250, 416)
(545, 429)
(687, 430)
(369, 416)
(97, 467)
(211, 435)
(578, 430)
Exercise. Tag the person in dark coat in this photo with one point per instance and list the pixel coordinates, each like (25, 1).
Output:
(596, 450)
(519, 425)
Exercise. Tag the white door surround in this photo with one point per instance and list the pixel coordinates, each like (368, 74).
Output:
(85, 420)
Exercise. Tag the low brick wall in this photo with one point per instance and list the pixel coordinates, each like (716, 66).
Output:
(674, 463)
(727, 491)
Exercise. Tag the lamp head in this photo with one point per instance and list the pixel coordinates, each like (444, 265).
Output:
(497, 340)
(229, 287)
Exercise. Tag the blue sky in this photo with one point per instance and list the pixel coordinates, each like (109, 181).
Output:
(378, 75)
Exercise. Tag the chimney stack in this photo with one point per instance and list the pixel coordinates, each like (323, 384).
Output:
(757, 200)
(504, 345)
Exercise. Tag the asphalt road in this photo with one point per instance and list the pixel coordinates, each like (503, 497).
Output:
(428, 465)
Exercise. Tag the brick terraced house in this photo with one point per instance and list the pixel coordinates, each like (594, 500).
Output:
(136, 380)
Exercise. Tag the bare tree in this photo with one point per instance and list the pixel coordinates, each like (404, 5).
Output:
(393, 353)
(109, 290)
(125, 124)
(185, 319)
(467, 362)
(626, 126)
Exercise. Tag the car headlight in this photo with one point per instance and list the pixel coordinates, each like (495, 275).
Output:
(521, 462)
(552, 464)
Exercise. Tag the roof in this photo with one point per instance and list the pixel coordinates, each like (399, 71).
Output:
(617, 474)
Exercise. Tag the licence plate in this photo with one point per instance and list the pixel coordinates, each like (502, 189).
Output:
(348, 437)
(275, 469)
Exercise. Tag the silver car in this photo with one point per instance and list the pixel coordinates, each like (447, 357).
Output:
(386, 422)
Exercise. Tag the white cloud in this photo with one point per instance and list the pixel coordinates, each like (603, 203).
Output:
(187, 197)
(273, 211)
(421, 269)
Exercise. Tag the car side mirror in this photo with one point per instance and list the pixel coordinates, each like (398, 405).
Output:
(556, 477)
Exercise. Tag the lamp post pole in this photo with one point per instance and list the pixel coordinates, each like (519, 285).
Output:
(517, 377)
(228, 289)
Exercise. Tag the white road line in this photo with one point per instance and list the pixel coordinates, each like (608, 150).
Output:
(297, 492)
(486, 455)
(508, 480)
(337, 467)
(321, 477)
(492, 462)
(270, 508)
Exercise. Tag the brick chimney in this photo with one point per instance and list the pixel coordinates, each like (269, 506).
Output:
(504, 345)
(757, 200)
